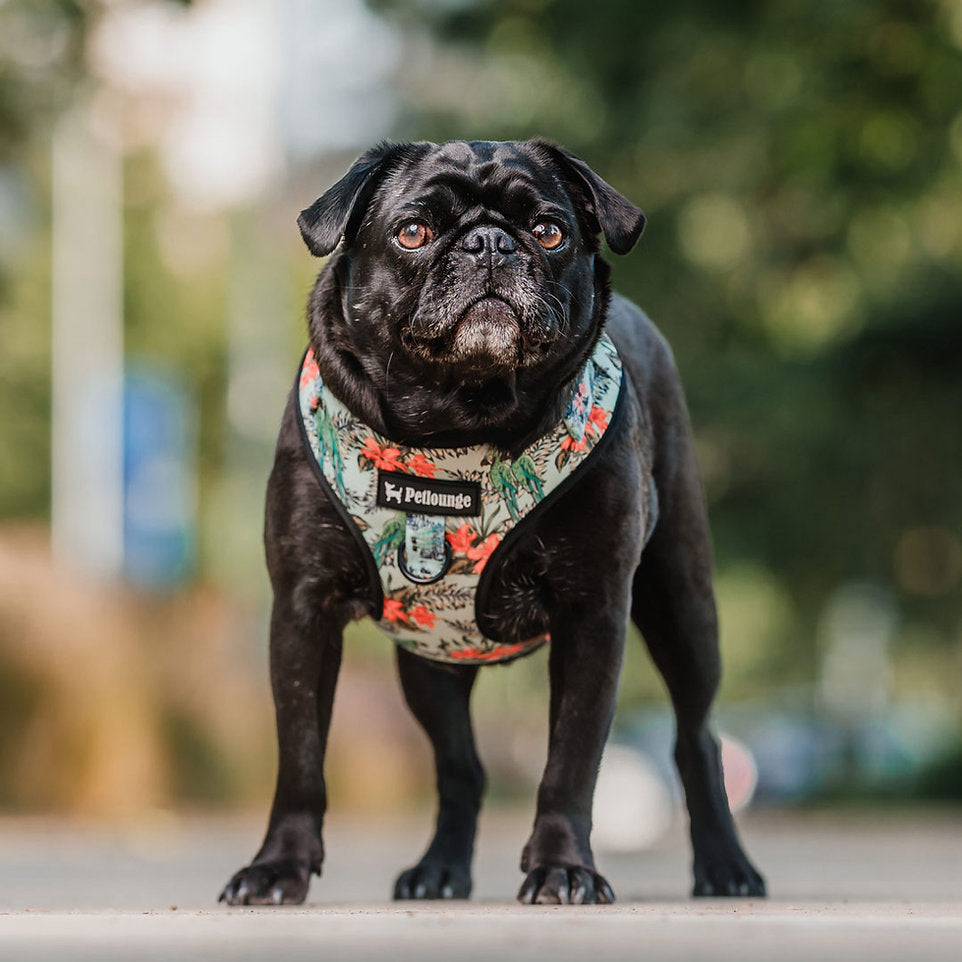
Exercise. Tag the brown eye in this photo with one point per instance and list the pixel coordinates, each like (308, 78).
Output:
(414, 234)
(548, 234)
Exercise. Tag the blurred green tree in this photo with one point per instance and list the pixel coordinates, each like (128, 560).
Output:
(41, 59)
(801, 166)
(43, 71)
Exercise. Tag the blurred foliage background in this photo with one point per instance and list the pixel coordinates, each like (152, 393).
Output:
(800, 164)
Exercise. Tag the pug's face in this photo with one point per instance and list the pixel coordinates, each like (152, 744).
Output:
(470, 268)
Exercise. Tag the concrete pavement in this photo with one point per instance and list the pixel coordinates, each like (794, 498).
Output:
(847, 886)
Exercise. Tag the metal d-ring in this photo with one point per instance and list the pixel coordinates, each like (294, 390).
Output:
(448, 560)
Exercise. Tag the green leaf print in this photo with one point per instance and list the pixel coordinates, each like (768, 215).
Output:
(392, 536)
(526, 474)
(504, 483)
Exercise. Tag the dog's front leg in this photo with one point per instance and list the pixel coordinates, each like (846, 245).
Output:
(585, 660)
(305, 659)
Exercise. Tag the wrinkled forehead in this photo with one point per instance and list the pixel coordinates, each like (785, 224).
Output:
(497, 175)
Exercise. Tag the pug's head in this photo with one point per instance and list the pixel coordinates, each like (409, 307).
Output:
(468, 275)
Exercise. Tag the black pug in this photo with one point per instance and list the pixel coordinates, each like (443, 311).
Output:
(459, 310)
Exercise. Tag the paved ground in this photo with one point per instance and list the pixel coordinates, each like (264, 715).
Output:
(843, 886)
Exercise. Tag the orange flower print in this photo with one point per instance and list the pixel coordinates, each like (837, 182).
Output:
(393, 610)
(597, 423)
(310, 371)
(474, 653)
(422, 616)
(598, 420)
(462, 539)
(493, 654)
(482, 552)
(420, 465)
(384, 458)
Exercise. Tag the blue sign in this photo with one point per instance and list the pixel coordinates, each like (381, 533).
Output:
(159, 481)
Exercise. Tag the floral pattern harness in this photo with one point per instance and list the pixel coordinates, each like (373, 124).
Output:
(428, 565)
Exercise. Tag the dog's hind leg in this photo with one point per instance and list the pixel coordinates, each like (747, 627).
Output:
(674, 607)
(439, 697)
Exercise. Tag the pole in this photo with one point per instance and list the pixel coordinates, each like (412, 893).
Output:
(87, 347)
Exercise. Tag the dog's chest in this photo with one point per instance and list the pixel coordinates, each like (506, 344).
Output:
(435, 524)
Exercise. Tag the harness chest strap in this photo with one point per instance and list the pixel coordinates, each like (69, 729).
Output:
(430, 519)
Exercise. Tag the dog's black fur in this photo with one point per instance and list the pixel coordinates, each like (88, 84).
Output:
(475, 338)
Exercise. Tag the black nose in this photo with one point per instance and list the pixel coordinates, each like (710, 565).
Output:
(490, 246)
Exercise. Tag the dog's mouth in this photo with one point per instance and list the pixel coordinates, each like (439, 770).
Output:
(485, 341)
(488, 330)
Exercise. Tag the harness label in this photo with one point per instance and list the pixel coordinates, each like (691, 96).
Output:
(405, 492)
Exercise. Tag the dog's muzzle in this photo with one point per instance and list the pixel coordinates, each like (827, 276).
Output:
(488, 331)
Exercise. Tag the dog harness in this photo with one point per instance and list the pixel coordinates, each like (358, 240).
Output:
(430, 520)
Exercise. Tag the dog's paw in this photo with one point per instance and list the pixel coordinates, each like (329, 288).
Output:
(732, 877)
(565, 885)
(433, 880)
(279, 882)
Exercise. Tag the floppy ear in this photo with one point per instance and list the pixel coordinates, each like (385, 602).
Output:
(615, 215)
(327, 219)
